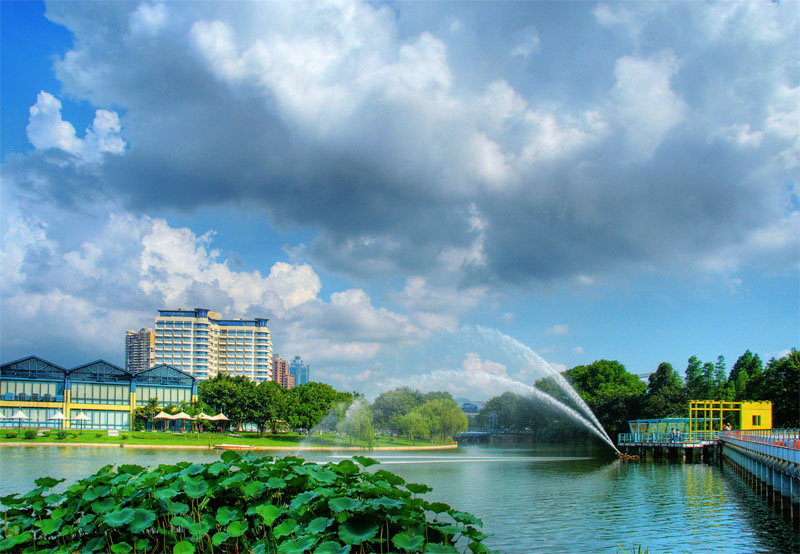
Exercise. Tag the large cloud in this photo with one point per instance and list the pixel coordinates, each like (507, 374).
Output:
(366, 125)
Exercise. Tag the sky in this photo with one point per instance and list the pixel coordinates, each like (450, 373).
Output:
(411, 192)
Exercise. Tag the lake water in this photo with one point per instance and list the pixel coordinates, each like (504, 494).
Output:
(530, 500)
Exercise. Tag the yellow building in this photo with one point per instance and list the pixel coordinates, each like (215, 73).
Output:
(714, 415)
(104, 392)
(203, 344)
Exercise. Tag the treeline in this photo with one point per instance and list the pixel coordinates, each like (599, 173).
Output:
(270, 407)
(616, 396)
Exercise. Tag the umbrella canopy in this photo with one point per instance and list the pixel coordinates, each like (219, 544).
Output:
(183, 415)
(219, 417)
(18, 415)
(163, 415)
(201, 415)
(58, 415)
(2, 416)
(81, 417)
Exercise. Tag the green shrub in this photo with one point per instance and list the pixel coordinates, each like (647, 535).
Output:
(11, 434)
(74, 435)
(98, 435)
(61, 434)
(243, 504)
(124, 436)
(29, 434)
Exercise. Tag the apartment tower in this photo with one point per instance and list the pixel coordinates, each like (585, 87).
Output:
(280, 370)
(299, 371)
(202, 343)
(139, 349)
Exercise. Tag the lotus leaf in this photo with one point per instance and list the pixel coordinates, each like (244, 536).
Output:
(183, 547)
(225, 515)
(219, 538)
(356, 531)
(433, 548)
(119, 518)
(103, 505)
(418, 488)
(269, 513)
(142, 519)
(237, 528)
(318, 525)
(297, 545)
(343, 503)
(253, 488)
(345, 467)
(130, 468)
(407, 542)
(364, 461)
(195, 488)
(121, 548)
(332, 547)
(287, 527)
(47, 482)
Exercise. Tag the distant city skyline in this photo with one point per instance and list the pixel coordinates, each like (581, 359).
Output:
(594, 180)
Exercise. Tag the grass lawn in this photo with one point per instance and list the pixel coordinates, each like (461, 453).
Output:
(208, 439)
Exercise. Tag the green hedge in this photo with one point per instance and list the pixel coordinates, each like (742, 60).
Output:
(238, 504)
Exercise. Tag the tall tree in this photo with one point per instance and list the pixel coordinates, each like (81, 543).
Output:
(748, 367)
(665, 395)
(720, 379)
(310, 402)
(694, 379)
(391, 405)
(270, 405)
(781, 385)
(707, 383)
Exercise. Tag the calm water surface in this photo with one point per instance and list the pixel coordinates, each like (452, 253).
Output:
(530, 500)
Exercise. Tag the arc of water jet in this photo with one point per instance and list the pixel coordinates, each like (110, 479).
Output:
(529, 354)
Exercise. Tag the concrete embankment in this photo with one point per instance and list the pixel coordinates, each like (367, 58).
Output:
(240, 447)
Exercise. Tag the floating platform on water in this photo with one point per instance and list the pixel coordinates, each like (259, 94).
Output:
(234, 446)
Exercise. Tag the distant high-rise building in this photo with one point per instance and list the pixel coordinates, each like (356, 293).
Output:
(139, 349)
(280, 371)
(299, 371)
(203, 344)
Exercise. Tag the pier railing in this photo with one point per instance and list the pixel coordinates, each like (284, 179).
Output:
(667, 438)
(777, 437)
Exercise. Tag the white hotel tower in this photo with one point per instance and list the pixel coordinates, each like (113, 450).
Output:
(203, 344)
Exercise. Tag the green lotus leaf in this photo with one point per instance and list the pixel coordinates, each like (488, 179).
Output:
(165, 494)
(94, 544)
(389, 477)
(119, 518)
(48, 482)
(234, 479)
(195, 529)
(437, 507)
(54, 498)
(269, 513)
(407, 542)
(343, 503)
(183, 547)
(463, 517)
(237, 528)
(121, 548)
(418, 488)
(178, 508)
(253, 488)
(130, 468)
(195, 488)
(90, 495)
(434, 548)
(49, 526)
(142, 519)
(302, 499)
(449, 529)
(225, 515)
(332, 547)
(297, 545)
(216, 468)
(142, 544)
(345, 467)
(318, 525)
(286, 527)
(364, 461)
(230, 456)
(179, 521)
(479, 548)
(385, 502)
(325, 476)
(219, 538)
(357, 530)
(194, 469)
(103, 505)
(276, 483)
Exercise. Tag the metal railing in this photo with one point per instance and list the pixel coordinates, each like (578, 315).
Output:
(667, 438)
(777, 437)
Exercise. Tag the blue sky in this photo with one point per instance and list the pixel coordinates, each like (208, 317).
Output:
(595, 180)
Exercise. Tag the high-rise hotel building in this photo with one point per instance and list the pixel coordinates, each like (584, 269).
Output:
(139, 349)
(203, 344)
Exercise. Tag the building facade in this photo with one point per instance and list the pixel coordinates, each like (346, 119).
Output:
(203, 344)
(280, 369)
(139, 349)
(105, 393)
(299, 371)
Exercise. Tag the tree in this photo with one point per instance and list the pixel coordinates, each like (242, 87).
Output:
(144, 414)
(390, 406)
(665, 395)
(746, 369)
(414, 425)
(694, 379)
(612, 393)
(310, 402)
(720, 380)
(444, 417)
(781, 385)
(270, 405)
(232, 396)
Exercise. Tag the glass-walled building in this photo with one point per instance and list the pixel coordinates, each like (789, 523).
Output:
(104, 392)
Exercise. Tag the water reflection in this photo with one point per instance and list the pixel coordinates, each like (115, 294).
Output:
(531, 500)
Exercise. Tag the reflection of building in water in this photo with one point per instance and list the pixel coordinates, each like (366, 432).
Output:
(105, 393)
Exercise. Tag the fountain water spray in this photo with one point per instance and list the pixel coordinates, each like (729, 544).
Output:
(527, 353)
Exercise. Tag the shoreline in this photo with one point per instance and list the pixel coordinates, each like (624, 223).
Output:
(249, 448)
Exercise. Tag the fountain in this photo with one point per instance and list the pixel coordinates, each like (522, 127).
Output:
(471, 338)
